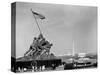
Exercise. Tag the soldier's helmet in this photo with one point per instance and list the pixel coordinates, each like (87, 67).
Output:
(35, 38)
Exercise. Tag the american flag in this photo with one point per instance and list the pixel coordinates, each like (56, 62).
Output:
(38, 15)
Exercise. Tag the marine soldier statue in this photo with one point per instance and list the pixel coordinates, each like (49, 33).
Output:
(38, 47)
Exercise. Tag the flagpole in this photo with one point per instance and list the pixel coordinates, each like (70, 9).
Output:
(37, 23)
(73, 52)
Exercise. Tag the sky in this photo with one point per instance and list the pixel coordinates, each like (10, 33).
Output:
(63, 25)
